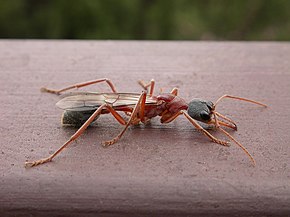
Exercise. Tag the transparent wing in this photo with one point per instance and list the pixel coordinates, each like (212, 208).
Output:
(82, 101)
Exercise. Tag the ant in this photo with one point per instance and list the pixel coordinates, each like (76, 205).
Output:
(83, 108)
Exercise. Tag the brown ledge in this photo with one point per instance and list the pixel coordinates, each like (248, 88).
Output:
(157, 170)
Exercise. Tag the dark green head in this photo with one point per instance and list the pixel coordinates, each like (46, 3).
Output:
(200, 110)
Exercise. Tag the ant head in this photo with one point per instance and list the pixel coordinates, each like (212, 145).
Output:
(200, 110)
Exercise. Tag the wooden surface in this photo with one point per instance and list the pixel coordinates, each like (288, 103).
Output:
(164, 170)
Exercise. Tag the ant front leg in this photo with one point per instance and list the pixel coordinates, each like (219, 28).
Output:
(197, 126)
(205, 132)
(79, 85)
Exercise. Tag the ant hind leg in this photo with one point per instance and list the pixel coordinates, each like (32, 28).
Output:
(79, 85)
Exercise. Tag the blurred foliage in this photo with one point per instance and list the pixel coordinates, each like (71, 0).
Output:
(146, 19)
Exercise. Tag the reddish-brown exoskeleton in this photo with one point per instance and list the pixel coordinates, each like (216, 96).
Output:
(83, 108)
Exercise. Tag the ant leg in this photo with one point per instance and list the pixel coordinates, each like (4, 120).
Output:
(78, 85)
(218, 123)
(233, 126)
(142, 84)
(238, 98)
(211, 136)
(174, 91)
(171, 118)
(197, 126)
(205, 132)
(77, 134)
(139, 107)
(141, 112)
(73, 137)
(116, 115)
(230, 124)
(151, 84)
(239, 144)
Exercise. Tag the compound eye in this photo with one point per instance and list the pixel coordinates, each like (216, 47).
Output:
(205, 116)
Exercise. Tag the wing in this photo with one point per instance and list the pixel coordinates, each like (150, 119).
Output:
(83, 101)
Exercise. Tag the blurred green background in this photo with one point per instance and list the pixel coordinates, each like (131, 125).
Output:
(146, 19)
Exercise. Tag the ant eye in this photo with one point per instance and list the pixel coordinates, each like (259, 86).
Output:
(209, 105)
(204, 115)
